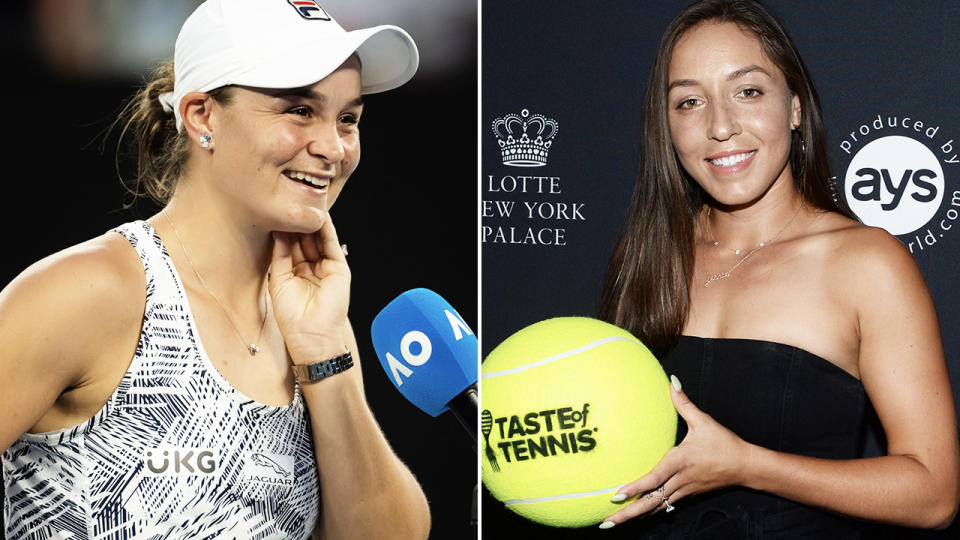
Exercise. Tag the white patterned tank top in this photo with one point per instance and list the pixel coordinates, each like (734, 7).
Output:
(175, 453)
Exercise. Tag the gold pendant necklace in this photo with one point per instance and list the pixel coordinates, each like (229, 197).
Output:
(253, 348)
(723, 275)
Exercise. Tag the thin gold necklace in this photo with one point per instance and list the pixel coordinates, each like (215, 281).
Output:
(253, 347)
(723, 275)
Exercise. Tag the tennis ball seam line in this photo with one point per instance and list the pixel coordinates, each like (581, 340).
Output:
(560, 356)
(564, 496)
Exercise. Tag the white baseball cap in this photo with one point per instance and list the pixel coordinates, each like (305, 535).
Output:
(281, 44)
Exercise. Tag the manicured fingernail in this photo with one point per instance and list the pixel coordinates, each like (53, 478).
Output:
(607, 525)
(619, 497)
(676, 383)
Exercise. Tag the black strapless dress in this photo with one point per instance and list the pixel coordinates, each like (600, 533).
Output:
(776, 396)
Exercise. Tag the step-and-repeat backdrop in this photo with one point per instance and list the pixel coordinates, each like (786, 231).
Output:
(888, 74)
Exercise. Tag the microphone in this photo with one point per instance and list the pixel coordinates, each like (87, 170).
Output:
(429, 354)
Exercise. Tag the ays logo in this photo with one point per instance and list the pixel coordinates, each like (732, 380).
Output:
(537, 434)
(897, 178)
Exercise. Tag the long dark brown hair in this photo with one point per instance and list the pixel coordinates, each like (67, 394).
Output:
(647, 285)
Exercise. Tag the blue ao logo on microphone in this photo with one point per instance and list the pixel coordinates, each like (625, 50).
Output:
(426, 349)
(896, 178)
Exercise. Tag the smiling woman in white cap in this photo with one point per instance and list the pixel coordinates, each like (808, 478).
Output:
(158, 378)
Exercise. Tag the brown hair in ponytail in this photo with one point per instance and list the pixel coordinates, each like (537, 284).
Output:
(161, 150)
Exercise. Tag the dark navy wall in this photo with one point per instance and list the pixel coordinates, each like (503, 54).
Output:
(585, 64)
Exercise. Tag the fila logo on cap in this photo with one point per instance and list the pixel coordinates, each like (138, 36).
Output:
(309, 9)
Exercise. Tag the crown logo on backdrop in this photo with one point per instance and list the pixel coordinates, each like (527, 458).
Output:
(524, 139)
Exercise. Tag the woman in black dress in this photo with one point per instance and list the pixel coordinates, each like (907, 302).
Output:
(780, 313)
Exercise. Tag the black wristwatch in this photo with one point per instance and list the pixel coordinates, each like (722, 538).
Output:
(311, 373)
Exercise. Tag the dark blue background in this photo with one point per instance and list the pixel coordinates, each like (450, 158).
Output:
(585, 64)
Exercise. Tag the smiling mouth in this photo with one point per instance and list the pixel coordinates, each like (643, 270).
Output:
(730, 161)
(307, 179)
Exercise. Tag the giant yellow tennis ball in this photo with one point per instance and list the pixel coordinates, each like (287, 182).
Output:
(572, 409)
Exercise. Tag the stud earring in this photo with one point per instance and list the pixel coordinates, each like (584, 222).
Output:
(205, 140)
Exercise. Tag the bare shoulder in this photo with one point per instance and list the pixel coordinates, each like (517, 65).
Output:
(873, 272)
(104, 269)
(74, 299)
(70, 326)
(860, 254)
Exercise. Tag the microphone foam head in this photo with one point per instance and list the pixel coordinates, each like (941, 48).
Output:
(427, 351)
